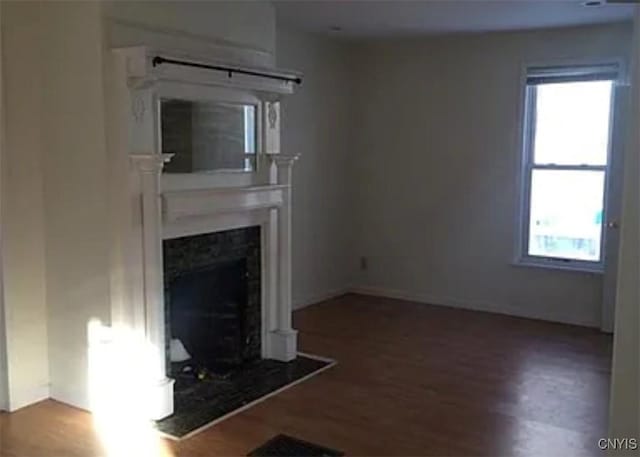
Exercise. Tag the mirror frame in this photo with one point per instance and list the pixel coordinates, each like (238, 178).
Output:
(213, 178)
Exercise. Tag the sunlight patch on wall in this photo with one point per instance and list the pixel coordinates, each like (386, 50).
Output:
(119, 394)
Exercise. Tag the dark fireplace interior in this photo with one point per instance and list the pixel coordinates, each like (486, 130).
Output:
(208, 313)
(212, 299)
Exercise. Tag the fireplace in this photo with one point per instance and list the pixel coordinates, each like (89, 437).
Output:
(212, 298)
(159, 216)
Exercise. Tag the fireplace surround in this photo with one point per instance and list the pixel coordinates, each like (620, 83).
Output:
(212, 297)
(158, 207)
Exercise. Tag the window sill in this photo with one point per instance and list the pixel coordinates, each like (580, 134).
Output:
(596, 269)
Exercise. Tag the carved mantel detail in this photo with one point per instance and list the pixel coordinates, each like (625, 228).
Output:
(272, 115)
(138, 108)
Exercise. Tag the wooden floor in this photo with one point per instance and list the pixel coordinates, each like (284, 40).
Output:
(411, 380)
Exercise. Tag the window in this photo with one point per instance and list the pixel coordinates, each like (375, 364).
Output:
(567, 122)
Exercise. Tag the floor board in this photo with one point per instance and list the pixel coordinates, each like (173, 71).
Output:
(411, 379)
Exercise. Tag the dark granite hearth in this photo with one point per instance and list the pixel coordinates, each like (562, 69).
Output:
(199, 402)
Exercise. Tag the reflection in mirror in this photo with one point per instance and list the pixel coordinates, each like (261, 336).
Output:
(208, 136)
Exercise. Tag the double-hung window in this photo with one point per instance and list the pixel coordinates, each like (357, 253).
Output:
(567, 136)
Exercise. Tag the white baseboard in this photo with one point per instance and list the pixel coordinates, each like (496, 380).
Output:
(20, 398)
(72, 397)
(320, 297)
(473, 305)
(4, 394)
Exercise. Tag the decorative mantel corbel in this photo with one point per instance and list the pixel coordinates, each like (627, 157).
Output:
(284, 338)
(284, 163)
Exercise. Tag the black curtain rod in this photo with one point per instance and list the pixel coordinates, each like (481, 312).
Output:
(158, 60)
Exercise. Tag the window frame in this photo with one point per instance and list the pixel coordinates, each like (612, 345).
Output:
(566, 73)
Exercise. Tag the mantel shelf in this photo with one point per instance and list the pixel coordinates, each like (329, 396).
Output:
(143, 69)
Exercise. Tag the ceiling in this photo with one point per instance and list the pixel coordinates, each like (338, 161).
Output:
(366, 18)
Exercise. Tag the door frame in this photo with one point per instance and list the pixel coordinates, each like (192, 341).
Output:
(614, 206)
(4, 371)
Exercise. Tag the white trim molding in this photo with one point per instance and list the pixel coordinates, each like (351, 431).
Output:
(21, 398)
(609, 69)
(153, 207)
(4, 371)
(191, 212)
(151, 311)
(472, 305)
(316, 298)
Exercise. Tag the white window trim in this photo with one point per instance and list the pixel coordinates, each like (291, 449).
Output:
(522, 257)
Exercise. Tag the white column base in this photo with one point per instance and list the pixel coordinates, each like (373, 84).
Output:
(283, 345)
(160, 399)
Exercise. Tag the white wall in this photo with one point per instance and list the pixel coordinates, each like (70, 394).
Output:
(197, 27)
(75, 188)
(625, 381)
(315, 124)
(23, 206)
(438, 146)
(248, 23)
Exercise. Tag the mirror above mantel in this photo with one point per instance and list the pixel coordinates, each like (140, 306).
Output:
(218, 121)
(207, 136)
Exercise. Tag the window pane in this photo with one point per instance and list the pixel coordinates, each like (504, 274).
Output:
(572, 123)
(566, 214)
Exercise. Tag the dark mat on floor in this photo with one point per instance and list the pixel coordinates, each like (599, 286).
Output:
(287, 446)
(200, 402)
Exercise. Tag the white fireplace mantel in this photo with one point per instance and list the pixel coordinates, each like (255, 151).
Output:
(161, 210)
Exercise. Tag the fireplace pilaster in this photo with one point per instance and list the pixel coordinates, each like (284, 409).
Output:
(284, 338)
(148, 168)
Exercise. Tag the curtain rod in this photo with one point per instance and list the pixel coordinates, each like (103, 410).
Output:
(158, 60)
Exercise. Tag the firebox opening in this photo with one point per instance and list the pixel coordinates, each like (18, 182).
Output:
(212, 302)
(208, 314)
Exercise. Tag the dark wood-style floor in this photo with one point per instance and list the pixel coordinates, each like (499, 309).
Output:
(411, 380)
